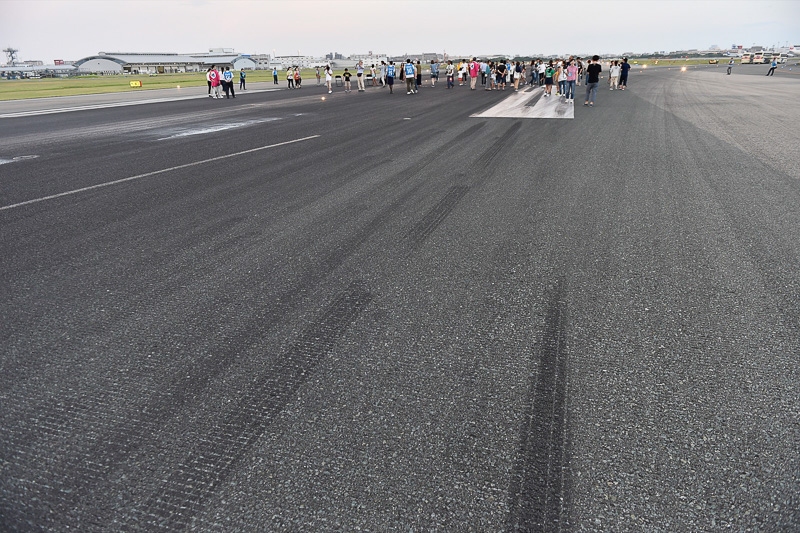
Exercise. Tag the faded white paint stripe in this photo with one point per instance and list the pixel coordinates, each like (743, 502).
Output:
(155, 172)
(216, 128)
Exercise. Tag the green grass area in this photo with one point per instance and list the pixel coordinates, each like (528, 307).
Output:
(43, 88)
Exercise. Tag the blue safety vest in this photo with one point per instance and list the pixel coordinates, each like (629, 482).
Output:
(390, 71)
(409, 69)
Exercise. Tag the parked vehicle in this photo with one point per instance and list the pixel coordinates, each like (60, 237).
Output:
(747, 58)
(758, 58)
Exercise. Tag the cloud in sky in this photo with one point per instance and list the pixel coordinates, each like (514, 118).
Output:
(50, 29)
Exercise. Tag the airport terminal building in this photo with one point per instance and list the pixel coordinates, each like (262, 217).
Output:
(169, 63)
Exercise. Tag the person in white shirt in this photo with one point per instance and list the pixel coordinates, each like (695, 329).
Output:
(328, 78)
(360, 76)
(613, 75)
(462, 74)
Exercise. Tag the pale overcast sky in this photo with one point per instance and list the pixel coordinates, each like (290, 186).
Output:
(62, 29)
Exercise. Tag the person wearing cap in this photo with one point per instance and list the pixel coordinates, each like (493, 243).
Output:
(242, 76)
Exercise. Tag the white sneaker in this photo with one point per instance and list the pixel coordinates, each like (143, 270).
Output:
(409, 92)
(329, 92)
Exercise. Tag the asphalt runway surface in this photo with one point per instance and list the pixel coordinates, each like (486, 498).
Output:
(375, 312)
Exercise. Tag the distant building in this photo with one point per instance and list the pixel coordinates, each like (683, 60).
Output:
(424, 57)
(369, 59)
(263, 61)
(297, 61)
(162, 63)
(31, 63)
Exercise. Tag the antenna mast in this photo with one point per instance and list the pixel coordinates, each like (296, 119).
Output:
(11, 54)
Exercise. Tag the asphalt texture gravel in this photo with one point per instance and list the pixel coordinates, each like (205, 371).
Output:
(412, 320)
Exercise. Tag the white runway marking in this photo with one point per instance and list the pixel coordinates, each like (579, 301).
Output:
(147, 174)
(114, 104)
(17, 159)
(517, 105)
(216, 128)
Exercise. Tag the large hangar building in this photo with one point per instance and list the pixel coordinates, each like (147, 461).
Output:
(169, 63)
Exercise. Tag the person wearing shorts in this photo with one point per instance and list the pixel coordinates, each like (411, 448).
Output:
(500, 75)
(548, 79)
(347, 75)
(390, 76)
(434, 72)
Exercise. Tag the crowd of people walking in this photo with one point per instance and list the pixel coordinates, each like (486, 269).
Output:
(563, 74)
(495, 75)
